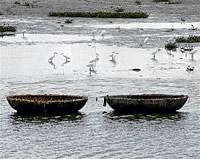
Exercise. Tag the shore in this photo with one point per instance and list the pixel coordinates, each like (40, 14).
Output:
(188, 9)
(164, 20)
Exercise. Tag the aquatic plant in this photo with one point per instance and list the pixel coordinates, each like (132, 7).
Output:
(119, 10)
(189, 39)
(137, 2)
(172, 46)
(101, 14)
(157, 1)
(68, 21)
(168, 1)
(8, 28)
(16, 2)
(27, 4)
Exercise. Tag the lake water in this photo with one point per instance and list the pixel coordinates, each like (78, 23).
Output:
(97, 132)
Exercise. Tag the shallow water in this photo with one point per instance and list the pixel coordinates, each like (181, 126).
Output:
(97, 132)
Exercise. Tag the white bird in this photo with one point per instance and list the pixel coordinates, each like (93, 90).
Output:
(182, 20)
(115, 53)
(103, 32)
(154, 53)
(91, 68)
(192, 54)
(144, 41)
(118, 28)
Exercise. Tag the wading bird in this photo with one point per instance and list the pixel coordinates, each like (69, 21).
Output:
(154, 54)
(91, 68)
(144, 41)
(192, 54)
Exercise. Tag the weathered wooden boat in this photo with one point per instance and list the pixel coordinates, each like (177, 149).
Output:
(146, 102)
(45, 104)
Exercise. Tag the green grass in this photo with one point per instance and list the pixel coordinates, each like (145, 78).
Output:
(100, 14)
(7, 29)
(189, 39)
(171, 46)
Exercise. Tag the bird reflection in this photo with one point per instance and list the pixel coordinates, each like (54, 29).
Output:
(67, 59)
(52, 62)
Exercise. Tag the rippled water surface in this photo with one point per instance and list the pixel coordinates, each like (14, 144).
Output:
(97, 132)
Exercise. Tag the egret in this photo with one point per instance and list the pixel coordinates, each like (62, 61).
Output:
(103, 32)
(91, 68)
(192, 54)
(144, 41)
(182, 20)
(154, 53)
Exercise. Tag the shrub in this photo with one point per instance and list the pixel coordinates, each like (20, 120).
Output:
(189, 39)
(68, 21)
(171, 46)
(119, 10)
(138, 2)
(7, 29)
(100, 14)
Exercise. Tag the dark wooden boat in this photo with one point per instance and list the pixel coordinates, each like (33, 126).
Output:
(45, 104)
(146, 102)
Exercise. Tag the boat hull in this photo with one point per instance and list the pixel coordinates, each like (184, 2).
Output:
(46, 104)
(146, 102)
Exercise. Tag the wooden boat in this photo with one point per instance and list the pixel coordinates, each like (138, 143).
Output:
(45, 104)
(146, 102)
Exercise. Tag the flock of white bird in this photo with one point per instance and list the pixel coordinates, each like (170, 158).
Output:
(187, 49)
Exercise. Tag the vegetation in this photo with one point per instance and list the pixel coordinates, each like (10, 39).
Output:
(138, 2)
(119, 10)
(168, 1)
(100, 14)
(7, 29)
(68, 21)
(189, 39)
(157, 1)
(16, 2)
(27, 4)
(171, 46)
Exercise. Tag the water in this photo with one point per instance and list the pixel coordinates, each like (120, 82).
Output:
(97, 132)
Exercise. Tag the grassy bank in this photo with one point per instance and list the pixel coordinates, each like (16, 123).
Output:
(189, 39)
(7, 29)
(100, 14)
(171, 46)
(168, 1)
